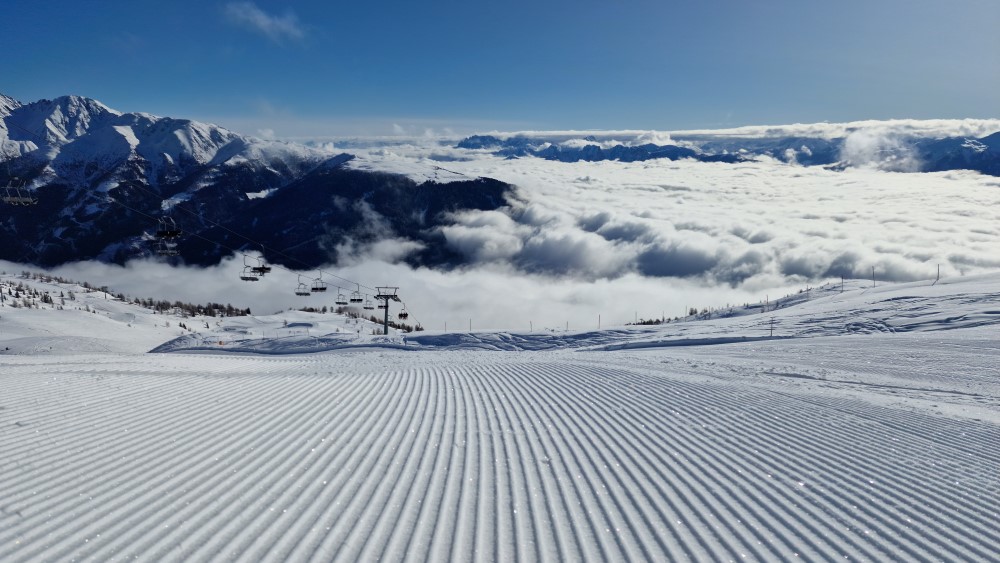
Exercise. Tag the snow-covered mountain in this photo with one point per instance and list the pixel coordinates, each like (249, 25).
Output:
(83, 142)
(657, 204)
(103, 177)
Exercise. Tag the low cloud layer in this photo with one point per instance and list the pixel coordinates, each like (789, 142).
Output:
(490, 297)
(617, 239)
(933, 128)
(878, 149)
(743, 225)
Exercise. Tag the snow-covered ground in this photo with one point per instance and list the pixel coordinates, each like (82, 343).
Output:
(867, 427)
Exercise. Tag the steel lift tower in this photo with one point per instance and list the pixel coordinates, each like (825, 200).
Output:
(385, 295)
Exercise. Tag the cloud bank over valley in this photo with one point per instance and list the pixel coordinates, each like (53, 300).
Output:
(625, 239)
(750, 224)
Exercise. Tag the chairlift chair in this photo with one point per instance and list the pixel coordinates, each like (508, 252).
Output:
(261, 268)
(17, 197)
(166, 228)
(403, 314)
(368, 305)
(302, 289)
(20, 200)
(341, 298)
(356, 296)
(318, 285)
(382, 305)
(251, 272)
(164, 249)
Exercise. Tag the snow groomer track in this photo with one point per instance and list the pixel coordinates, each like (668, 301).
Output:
(388, 455)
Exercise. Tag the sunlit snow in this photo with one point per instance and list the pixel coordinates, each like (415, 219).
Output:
(852, 421)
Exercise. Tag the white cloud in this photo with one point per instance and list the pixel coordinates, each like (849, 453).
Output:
(898, 127)
(611, 238)
(654, 137)
(935, 128)
(389, 250)
(744, 225)
(487, 236)
(876, 148)
(275, 28)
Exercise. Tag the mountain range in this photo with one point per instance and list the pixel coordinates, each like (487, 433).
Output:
(904, 153)
(103, 179)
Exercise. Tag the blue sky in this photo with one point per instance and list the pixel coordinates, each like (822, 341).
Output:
(316, 68)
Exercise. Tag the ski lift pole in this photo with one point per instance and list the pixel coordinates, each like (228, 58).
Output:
(386, 294)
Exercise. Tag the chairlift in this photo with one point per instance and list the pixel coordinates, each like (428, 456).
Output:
(303, 288)
(382, 305)
(341, 298)
(356, 296)
(166, 228)
(164, 249)
(17, 197)
(318, 284)
(251, 272)
(403, 314)
(368, 305)
(261, 268)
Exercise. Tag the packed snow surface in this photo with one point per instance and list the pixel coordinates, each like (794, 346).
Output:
(865, 428)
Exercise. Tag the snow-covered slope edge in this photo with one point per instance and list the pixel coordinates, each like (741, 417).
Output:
(43, 316)
(947, 305)
(870, 448)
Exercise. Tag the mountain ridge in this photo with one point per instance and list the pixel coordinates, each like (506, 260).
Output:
(900, 151)
(103, 178)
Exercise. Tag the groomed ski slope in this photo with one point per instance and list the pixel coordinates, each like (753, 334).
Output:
(866, 447)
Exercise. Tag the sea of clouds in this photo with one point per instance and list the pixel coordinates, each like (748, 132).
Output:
(642, 239)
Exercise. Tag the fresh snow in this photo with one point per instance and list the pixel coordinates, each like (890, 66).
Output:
(129, 134)
(74, 131)
(865, 428)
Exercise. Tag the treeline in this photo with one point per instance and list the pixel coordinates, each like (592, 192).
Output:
(354, 314)
(189, 309)
(160, 306)
(21, 295)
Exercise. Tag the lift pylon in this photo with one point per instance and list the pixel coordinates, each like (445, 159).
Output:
(385, 295)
